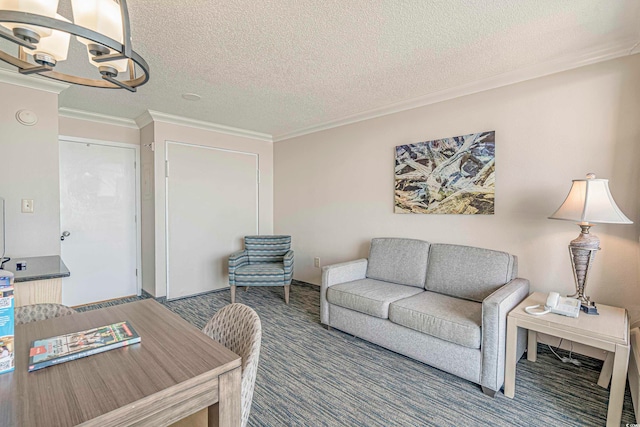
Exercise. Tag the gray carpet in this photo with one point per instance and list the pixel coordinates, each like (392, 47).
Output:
(309, 376)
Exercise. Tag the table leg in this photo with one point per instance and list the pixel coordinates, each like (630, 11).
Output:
(532, 346)
(607, 370)
(228, 411)
(618, 383)
(510, 358)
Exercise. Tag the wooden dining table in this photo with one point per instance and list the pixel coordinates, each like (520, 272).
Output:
(175, 372)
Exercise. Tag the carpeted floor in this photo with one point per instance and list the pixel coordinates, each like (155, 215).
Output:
(309, 376)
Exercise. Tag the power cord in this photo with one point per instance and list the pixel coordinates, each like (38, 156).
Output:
(565, 359)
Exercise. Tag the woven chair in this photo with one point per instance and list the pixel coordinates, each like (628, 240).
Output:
(238, 328)
(35, 312)
(265, 261)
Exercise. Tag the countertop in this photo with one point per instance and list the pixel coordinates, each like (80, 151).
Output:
(38, 268)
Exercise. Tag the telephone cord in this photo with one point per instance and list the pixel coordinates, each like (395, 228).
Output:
(565, 359)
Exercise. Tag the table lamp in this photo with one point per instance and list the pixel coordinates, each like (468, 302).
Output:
(589, 202)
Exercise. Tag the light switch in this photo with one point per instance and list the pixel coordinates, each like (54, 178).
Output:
(27, 205)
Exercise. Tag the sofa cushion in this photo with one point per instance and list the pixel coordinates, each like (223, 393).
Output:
(369, 296)
(451, 319)
(467, 272)
(402, 261)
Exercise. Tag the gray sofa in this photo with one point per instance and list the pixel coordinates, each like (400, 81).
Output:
(444, 305)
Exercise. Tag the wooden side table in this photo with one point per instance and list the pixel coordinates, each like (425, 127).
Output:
(608, 331)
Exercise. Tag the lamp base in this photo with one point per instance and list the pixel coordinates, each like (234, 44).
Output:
(589, 309)
(582, 251)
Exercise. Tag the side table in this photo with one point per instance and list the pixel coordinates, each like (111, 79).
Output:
(608, 331)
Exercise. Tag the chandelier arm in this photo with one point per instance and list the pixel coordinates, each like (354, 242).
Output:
(82, 81)
(126, 27)
(8, 36)
(119, 83)
(36, 69)
(109, 57)
(22, 65)
(132, 69)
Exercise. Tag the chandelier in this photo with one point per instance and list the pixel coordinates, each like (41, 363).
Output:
(42, 38)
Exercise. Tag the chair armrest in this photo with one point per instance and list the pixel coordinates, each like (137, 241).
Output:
(236, 260)
(287, 261)
(494, 330)
(339, 273)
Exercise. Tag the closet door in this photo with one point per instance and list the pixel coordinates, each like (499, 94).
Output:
(212, 202)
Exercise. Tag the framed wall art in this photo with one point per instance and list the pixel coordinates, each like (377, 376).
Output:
(447, 176)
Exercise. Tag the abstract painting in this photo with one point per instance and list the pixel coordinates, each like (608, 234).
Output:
(447, 176)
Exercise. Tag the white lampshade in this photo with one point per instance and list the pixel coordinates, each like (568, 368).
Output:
(37, 7)
(57, 44)
(101, 16)
(590, 201)
(104, 17)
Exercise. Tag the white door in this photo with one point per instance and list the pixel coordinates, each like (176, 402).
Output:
(212, 202)
(98, 210)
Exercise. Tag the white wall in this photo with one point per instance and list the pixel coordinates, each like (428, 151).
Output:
(335, 188)
(29, 170)
(172, 132)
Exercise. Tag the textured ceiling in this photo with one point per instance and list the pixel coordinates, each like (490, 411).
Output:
(281, 66)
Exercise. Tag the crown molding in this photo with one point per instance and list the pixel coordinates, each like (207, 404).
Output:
(96, 117)
(144, 119)
(31, 82)
(157, 116)
(568, 62)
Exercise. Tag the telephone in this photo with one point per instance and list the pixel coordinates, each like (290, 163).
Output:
(558, 305)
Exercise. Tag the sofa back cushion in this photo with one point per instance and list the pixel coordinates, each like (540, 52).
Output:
(468, 272)
(402, 261)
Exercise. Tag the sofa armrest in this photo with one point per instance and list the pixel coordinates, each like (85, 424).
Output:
(494, 330)
(339, 273)
(287, 261)
(236, 260)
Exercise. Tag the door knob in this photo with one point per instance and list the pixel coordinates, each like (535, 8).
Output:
(65, 234)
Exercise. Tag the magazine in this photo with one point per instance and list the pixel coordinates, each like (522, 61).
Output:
(6, 321)
(63, 348)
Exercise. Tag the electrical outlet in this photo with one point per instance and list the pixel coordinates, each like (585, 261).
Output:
(27, 205)
(316, 262)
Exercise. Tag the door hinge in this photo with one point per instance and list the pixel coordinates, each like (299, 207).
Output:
(136, 272)
(258, 170)
(166, 168)
(135, 165)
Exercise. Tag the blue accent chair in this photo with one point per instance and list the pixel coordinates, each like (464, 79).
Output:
(265, 261)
